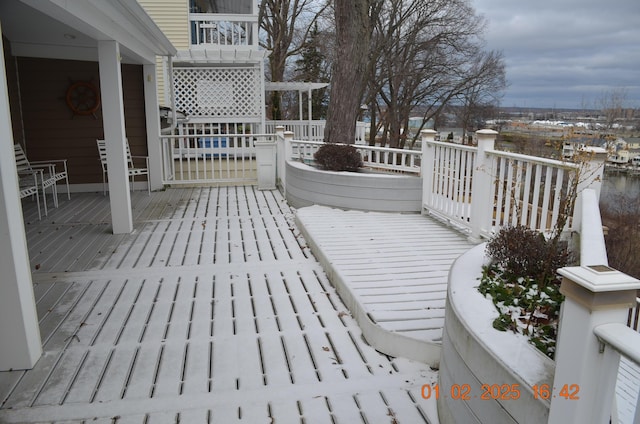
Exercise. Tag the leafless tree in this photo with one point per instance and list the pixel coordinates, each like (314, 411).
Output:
(425, 54)
(286, 25)
(483, 93)
(612, 104)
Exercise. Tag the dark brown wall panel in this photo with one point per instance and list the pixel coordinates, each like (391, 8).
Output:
(13, 92)
(53, 131)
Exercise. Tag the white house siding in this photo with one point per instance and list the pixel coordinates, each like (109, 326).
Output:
(172, 17)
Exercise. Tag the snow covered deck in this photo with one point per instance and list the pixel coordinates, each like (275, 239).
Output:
(391, 270)
(213, 310)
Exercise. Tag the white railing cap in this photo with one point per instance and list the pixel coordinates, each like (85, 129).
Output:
(487, 132)
(623, 339)
(600, 278)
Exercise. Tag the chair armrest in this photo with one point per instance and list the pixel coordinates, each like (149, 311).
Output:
(146, 159)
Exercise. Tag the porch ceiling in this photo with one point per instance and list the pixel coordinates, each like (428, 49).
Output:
(71, 30)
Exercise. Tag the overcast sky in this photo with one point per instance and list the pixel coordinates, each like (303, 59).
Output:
(563, 53)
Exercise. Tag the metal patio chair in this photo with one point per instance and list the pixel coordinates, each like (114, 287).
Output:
(52, 171)
(132, 170)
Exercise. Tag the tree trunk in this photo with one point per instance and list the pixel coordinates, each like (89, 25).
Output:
(353, 33)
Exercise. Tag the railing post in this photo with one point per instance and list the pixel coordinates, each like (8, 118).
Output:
(426, 165)
(591, 175)
(285, 153)
(585, 376)
(280, 156)
(481, 201)
(266, 163)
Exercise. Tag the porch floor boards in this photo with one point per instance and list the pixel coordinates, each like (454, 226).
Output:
(212, 310)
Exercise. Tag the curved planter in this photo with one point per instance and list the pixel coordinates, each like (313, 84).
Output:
(306, 186)
(475, 354)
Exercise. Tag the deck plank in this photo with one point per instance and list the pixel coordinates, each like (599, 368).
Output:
(212, 310)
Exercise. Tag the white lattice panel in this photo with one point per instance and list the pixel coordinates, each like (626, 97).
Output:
(218, 92)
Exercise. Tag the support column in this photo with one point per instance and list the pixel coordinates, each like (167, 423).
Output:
(152, 116)
(281, 159)
(115, 135)
(266, 163)
(426, 165)
(20, 344)
(590, 176)
(594, 295)
(481, 202)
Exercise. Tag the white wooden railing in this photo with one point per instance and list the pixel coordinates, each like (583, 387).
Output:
(210, 158)
(380, 158)
(217, 30)
(593, 335)
(313, 130)
(481, 189)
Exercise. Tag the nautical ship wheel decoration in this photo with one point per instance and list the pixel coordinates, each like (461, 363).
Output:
(83, 98)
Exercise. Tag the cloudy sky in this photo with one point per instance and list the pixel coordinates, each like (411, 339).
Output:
(565, 53)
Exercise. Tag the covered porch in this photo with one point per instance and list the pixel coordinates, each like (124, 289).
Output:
(69, 71)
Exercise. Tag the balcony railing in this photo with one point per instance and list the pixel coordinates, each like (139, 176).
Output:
(219, 30)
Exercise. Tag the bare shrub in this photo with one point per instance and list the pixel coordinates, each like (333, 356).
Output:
(338, 157)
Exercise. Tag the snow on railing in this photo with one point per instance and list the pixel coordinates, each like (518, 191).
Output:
(212, 29)
(382, 158)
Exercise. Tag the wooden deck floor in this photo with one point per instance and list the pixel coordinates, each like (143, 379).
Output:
(215, 310)
(392, 269)
(212, 310)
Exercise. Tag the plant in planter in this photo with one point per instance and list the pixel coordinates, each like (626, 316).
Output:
(338, 157)
(523, 284)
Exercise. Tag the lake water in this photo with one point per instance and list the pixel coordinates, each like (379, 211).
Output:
(615, 184)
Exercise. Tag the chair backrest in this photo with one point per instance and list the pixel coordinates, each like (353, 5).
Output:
(22, 163)
(102, 151)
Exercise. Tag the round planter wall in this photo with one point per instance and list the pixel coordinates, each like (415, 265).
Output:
(476, 358)
(369, 191)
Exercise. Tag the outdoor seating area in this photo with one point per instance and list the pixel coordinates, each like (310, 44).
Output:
(46, 174)
(212, 310)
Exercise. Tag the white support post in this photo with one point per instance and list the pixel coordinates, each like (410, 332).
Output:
(280, 158)
(152, 117)
(481, 202)
(585, 376)
(266, 164)
(115, 135)
(310, 112)
(591, 175)
(20, 345)
(288, 149)
(426, 165)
